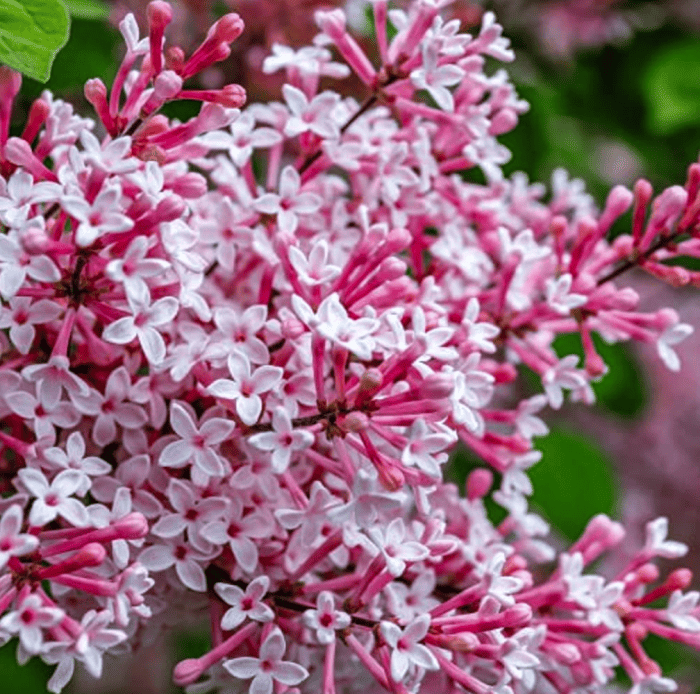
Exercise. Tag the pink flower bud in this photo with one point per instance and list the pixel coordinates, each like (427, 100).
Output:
(159, 14)
(680, 579)
(504, 121)
(391, 477)
(517, 616)
(228, 28)
(479, 483)
(354, 421)
(190, 186)
(187, 671)
(133, 526)
(10, 84)
(332, 23)
(648, 573)
(167, 85)
(437, 386)
(565, 653)
(371, 380)
(174, 58)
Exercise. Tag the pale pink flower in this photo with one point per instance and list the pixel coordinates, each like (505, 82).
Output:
(269, 667)
(29, 620)
(282, 441)
(244, 604)
(197, 445)
(325, 620)
(246, 386)
(142, 324)
(56, 498)
(406, 646)
(13, 543)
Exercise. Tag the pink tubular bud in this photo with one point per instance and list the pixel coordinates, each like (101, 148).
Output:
(133, 526)
(391, 477)
(19, 152)
(354, 421)
(187, 671)
(642, 195)
(174, 58)
(398, 240)
(564, 653)
(38, 113)
(10, 84)
(331, 23)
(167, 85)
(92, 554)
(230, 96)
(190, 186)
(96, 94)
(619, 201)
(159, 14)
(229, 27)
(648, 573)
(437, 386)
(479, 483)
(170, 209)
(680, 579)
(503, 122)
(517, 616)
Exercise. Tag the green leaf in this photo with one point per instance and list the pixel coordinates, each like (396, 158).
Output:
(672, 88)
(31, 34)
(88, 53)
(21, 679)
(573, 482)
(87, 9)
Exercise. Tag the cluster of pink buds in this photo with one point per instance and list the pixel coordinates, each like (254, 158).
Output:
(238, 352)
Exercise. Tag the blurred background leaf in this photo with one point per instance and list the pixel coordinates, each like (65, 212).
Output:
(573, 482)
(672, 87)
(87, 9)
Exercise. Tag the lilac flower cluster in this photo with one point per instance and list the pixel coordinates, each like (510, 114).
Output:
(238, 351)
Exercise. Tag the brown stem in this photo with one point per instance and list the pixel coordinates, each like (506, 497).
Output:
(639, 259)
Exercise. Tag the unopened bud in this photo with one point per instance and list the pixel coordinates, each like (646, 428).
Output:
(479, 483)
(371, 380)
(648, 573)
(232, 96)
(517, 616)
(133, 526)
(167, 85)
(228, 28)
(680, 579)
(354, 422)
(391, 477)
(174, 58)
(187, 671)
(504, 121)
(565, 653)
(159, 13)
(190, 186)
(437, 386)
(331, 23)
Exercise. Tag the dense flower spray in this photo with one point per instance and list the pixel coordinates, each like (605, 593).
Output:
(238, 351)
